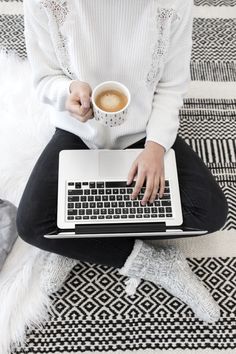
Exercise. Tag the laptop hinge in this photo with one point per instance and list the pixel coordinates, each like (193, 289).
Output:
(120, 228)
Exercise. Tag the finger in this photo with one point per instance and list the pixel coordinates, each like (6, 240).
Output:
(132, 172)
(81, 119)
(148, 189)
(155, 189)
(138, 184)
(85, 98)
(89, 114)
(162, 185)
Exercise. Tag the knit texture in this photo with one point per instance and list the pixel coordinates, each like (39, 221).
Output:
(146, 45)
(168, 268)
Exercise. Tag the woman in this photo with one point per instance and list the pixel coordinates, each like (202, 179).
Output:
(73, 46)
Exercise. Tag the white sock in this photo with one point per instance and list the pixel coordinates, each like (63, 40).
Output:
(54, 272)
(169, 268)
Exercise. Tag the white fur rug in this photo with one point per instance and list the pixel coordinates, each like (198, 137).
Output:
(25, 130)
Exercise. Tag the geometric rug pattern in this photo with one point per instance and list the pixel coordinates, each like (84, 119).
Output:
(92, 312)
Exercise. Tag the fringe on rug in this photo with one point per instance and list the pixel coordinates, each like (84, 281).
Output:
(23, 304)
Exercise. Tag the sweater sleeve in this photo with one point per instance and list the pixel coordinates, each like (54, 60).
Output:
(163, 123)
(49, 81)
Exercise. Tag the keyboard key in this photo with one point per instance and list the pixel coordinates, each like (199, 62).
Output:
(124, 216)
(89, 212)
(119, 197)
(132, 210)
(143, 190)
(85, 183)
(100, 184)
(125, 211)
(129, 190)
(107, 205)
(77, 185)
(139, 216)
(161, 215)
(110, 211)
(112, 197)
(86, 191)
(147, 210)
(99, 205)
(114, 184)
(114, 204)
(146, 216)
(78, 205)
(118, 211)
(97, 198)
(157, 203)
(131, 216)
(103, 211)
(93, 217)
(73, 199)
(90, 198)
(85, 205)
(101, 216)
(140, 210)
(153, 215)
(104, 197)
(101, 191)
(70, 183)
(94, 191)
(115, 191)
(81, 212)
(92, 185)
(86, 217)
(140, 196)
(108, 191)
(70, 205)
(92, 205)
(70, 217)
(167, 190)
(75, 192)
(135, 203)
(166, 183)
(116, 216)
(78, 217)
(83, 198)
(96, 212)
(128, 204)
(161, 210)
(166, 203)
(122, 191)
(169, 210)
(126, 197)
(166, 196)
(121, 204)
(72, 212)
(169, 215)
(108, 216)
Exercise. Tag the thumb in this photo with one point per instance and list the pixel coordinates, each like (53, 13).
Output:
(132, 172)
(85, 97)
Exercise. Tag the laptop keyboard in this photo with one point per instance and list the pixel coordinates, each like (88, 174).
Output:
(112, 200)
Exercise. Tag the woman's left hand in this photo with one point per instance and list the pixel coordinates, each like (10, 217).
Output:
(149, 166)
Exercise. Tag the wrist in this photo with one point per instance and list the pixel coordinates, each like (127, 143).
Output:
(155, 146)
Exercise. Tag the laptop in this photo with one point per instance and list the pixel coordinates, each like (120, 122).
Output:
(94, 199)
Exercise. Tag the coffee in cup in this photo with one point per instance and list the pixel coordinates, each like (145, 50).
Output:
(111, 100)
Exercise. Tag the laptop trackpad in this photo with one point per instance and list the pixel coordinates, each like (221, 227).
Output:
(116, 163)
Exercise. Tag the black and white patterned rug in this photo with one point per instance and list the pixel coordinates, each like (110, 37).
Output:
(91, 312)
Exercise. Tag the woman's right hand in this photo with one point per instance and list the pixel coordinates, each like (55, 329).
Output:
(78, 102)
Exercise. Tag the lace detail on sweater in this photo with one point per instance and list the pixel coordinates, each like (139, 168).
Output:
(163, 20)
(57, 11)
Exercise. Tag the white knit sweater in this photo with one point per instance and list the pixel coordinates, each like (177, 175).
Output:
(144, 44)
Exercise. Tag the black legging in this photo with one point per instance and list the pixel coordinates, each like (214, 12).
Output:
(203, 203)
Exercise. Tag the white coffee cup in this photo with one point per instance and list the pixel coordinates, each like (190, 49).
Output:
(110, 119)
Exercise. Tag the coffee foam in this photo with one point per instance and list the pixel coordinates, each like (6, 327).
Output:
(111, 100)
